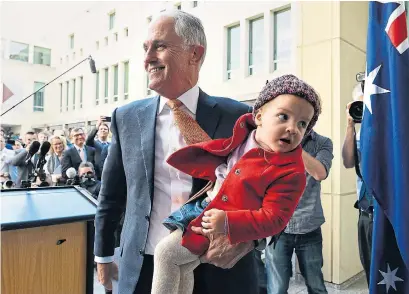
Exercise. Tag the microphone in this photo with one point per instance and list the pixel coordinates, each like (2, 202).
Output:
(92, 65)
(34, 147)
(71, 173)
(45, 147)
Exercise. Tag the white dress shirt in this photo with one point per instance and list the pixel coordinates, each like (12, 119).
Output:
(171, 187)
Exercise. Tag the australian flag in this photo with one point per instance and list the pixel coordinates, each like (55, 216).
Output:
(385, 144)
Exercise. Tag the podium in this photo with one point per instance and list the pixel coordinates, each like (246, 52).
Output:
(47, 237)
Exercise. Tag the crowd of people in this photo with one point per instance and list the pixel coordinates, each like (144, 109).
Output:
(68, 149)
(204, 183)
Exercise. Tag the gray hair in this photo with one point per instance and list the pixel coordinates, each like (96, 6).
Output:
(188, 27)
(87, 164)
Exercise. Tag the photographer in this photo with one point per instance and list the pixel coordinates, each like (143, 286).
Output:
(88, 180)
(351, 158)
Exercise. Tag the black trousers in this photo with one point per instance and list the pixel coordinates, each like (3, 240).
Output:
(365, 224)
(241, 279)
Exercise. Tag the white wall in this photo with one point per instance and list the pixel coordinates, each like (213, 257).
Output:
(90, 24)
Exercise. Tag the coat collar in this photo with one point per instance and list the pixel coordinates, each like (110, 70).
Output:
(243, 127)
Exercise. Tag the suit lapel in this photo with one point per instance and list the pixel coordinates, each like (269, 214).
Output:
(207, 114)
(76, 158)
(146, 123)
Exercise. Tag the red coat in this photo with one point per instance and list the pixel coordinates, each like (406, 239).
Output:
(260, 193)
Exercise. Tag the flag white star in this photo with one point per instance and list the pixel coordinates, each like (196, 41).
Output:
(389, 278)
(371, 88)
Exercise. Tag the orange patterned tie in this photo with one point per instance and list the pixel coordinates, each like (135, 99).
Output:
(189, 128)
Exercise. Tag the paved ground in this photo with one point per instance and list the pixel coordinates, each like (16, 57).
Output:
(359, 287)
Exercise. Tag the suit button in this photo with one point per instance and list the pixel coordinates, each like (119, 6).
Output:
(237, 171)
(147, 217)
(141, 252)
(224, 198)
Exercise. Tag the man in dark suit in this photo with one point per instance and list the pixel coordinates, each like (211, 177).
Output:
(136, 175)
(78, 153)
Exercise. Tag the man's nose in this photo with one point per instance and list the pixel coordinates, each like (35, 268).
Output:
(150, 57)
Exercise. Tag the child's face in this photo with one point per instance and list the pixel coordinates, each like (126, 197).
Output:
(282, 122)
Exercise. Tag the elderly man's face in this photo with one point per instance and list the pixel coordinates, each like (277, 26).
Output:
(168, 60)
(79, 138)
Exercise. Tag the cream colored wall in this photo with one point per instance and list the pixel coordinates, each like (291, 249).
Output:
(331, 41)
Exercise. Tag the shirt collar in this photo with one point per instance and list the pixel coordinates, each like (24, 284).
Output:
(79, 148)
(189, 99)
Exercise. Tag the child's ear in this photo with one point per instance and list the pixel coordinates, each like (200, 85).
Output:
(257, 117)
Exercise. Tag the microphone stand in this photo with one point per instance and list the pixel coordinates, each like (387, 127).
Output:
(88, 58)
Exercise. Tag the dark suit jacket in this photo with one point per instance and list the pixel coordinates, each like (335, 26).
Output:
(98, 150)
(129, 170)
(71, 158)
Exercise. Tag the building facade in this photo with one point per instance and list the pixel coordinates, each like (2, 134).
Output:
(248, 44)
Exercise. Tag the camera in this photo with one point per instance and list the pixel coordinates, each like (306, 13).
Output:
(356, 111)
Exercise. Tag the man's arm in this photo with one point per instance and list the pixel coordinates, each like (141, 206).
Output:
(91, 137)
(348, 148)
(19, 159)
(112, 198)
(65, 163)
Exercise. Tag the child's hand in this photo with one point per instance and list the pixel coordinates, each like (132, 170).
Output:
(213, 221)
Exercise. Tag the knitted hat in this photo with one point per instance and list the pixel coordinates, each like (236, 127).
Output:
(290, 84)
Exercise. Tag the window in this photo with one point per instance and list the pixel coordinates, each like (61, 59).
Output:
(97, 45)
(60, 97)
(60, 60)
(71, 41)
(18, 51)
(194, 4)
(81, 90)
(38, 97)
(116, 82)
(42, 55)
(111, 20)
(68, 95)
(148, 91)
(126, 80)
(256, 45)
(282, 37)
(73, 94)
(116, 37)
(106, 41)
(73, 55)
(233, 50)
(178, 6)
(126, 32)
(106, 85)
(97, 88)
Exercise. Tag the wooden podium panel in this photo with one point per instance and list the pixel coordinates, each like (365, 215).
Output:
(32, 261)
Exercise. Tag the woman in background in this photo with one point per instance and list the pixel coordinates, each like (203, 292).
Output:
(53, 166)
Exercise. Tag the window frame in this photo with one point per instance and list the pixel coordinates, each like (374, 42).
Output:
(36, 98)
(229, 69)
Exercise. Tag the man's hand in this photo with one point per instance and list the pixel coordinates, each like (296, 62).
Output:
(100, 121)
(214, 221)
(221, 253)
(107, 272)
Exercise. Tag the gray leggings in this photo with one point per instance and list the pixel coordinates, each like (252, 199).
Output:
(173, 266)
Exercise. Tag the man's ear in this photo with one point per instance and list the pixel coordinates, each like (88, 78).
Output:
(257, 117)
(198, 51)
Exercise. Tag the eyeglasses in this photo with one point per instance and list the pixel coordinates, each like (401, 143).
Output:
(78, 135)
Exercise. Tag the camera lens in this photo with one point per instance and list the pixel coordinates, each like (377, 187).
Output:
(356, 111)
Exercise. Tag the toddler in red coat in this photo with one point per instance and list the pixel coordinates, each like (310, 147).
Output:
(256, 178)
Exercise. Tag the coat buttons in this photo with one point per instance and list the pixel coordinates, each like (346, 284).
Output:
(237, 171)
(225, 198)
(242, 125)
(141, 252)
